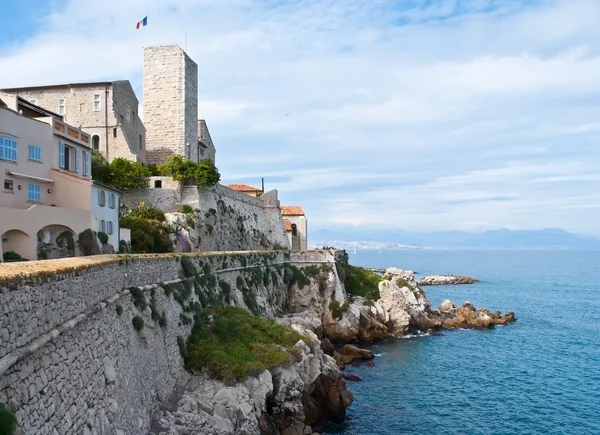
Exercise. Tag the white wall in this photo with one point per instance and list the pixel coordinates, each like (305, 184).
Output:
(106, 213)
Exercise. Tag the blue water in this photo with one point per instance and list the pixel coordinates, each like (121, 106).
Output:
(540, 375)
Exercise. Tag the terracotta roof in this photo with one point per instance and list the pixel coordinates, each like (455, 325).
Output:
(292, 210)
(243, 188)
(287, 224)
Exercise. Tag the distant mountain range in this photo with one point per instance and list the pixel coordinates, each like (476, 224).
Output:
(549, 238)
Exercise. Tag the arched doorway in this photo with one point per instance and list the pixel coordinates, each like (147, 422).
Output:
(95, 142)
(55, 241)
(16, 243)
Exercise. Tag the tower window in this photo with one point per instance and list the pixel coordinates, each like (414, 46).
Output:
(96, 142)
(115, 132)
(61, 106)
(96, 102)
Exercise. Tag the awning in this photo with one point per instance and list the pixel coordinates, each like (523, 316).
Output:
(30, 177)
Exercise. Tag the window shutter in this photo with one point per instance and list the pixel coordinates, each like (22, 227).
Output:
(77, 160)
(99, 197)
(87, 163)
(62, 155)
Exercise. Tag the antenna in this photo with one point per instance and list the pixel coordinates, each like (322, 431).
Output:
(263, 185)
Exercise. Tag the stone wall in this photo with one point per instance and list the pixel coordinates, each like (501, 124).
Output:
(224, 219)
(71, 360)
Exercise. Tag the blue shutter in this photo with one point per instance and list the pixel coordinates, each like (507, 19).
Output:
(77, 159)
(87, 164)
(38, 153)
(14, 150)
(62, 155)
(34, 193)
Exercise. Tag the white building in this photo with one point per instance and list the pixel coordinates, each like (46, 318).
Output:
(296, 226)
(106, 203)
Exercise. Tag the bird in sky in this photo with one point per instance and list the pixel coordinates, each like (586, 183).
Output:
(288, 114)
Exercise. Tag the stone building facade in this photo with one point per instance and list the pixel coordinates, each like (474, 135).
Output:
(206, 147)
(170, 104)
(108, 111)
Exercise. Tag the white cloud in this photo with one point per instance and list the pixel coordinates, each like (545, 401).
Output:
(446, 114)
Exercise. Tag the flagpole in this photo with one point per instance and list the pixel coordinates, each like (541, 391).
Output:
(147, 34)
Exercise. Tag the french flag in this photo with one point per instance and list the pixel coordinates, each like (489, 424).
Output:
(142, 23)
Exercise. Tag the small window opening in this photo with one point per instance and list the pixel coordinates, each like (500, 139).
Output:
(158, 184)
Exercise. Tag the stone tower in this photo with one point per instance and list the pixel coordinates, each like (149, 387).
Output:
(170, 103)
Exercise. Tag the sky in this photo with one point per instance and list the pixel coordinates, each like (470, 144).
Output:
(423, 115)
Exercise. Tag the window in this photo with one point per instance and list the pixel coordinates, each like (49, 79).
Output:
(61, 106)
(115, 132)
(34, 193)
(109, 229)
(158, 184)
(126, 114)
(101, 198)
(33, 101)
(121, 119)
(102, 227)
(96, 102)
(8, 149)
(294, 230)
(96, 142)
(35, 153)
(8, 186)
(86, 164)
(141, 140)
(111, 200)
(69, 158)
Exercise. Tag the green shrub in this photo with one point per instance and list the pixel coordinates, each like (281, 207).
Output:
(402, 283)
(207, 174)
(338, 310)
(361, 282)
(8, 421)
(138, 323)
(87, 243)
(145, 211)
(147, 235)
(139, 299)
(119, 309)
(237, 344)
(103, 237)
(185, 319)
(189, 270)
(11, 256)
(187, 209)
(66, 238)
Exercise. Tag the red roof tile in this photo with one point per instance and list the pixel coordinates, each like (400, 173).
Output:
(292, 210)
(243, 188)
(287, 224)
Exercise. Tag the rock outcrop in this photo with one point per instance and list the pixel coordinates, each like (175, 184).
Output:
(445, 280)
(467, 316)
(283, 401)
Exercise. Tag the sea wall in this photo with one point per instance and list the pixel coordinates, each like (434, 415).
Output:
(223, 219)
(74, 357)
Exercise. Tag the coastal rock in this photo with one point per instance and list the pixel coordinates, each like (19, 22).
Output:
(404, 304)
(298, 395)
(353, 378)
(359, 323)
(446, 280)
(467, 316)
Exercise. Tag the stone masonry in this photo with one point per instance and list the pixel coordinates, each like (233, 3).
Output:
(170, 103)
(108, 111)
(71, 360)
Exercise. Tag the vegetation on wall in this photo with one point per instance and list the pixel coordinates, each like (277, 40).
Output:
(8, 422)
(121, 173)
(12, 256)
(149, 231)
(234, 344)
(205, 172)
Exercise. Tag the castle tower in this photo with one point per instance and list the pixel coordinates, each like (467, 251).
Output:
(170, 103)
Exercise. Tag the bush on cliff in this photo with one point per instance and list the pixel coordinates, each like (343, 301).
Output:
(8, 422)
(236, 344)
(361, 282)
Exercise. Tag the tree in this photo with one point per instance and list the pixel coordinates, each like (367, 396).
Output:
(125, 174)
(207, 174)
(121, 173)
(100, 168)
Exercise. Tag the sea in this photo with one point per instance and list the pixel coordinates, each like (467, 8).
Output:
(540, 375)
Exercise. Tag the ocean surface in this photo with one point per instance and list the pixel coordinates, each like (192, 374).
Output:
(540, 375)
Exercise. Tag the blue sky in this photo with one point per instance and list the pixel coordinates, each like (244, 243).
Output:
(421, 115)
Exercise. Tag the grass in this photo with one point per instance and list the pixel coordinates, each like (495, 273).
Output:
(338, 310)
(361, 282)
(238, 344)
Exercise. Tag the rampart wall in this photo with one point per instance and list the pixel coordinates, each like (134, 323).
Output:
(71, 360)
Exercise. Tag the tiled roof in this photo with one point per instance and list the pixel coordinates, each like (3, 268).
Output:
(243, 188)
(287, 224)
(292, 210)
